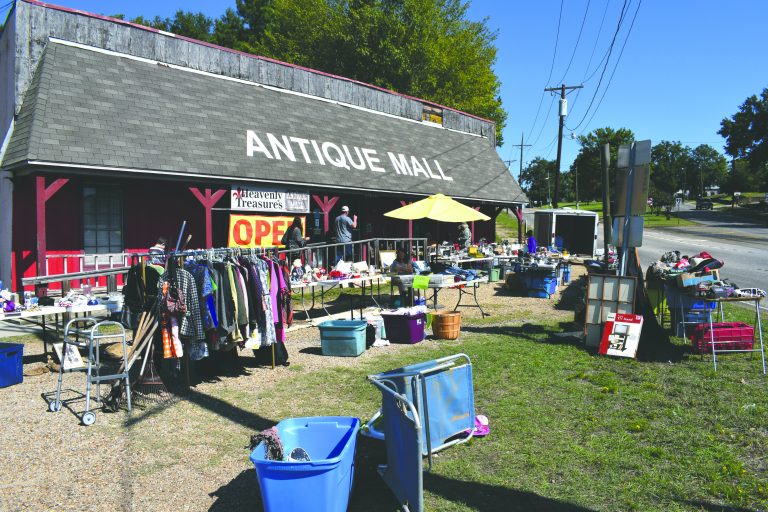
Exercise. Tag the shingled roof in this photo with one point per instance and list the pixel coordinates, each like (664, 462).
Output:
(103, 111)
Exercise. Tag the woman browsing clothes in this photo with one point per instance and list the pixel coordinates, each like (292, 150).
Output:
(294, 239)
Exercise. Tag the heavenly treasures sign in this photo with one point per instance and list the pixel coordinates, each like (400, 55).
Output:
(314, 152)
(246, 198)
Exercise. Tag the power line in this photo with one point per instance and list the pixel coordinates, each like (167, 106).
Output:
(563, 112)
(583, 20)
(610, 79)
(551, 67)
(521, 146)
(605, 67)
(622, 15)
(592, 54)
(544, 123)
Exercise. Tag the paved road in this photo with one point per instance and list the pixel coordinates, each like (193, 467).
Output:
(746, 261)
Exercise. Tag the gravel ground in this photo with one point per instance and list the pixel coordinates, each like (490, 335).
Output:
(186, 456)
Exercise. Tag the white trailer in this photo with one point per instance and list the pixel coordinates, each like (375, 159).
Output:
(576, 230)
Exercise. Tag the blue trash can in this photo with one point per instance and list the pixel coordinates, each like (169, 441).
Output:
(323, 483)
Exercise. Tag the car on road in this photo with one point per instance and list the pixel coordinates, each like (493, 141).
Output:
(704, 204)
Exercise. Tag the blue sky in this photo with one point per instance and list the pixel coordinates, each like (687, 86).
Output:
(685, 65)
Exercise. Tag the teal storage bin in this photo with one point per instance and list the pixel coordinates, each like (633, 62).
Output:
(344, 338)
(11, 365)
(322, 483)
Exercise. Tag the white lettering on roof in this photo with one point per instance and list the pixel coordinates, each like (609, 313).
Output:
(344, 156)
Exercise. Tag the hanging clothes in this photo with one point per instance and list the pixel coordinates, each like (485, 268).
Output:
(191, 323)
(225, 307)
(235, 335)
(263, 328)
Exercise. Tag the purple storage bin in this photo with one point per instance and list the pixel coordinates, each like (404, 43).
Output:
(404, 328)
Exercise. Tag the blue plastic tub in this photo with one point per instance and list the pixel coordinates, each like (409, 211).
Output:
(325, 482)
(343, 337)
(11, 366)
(677, 300)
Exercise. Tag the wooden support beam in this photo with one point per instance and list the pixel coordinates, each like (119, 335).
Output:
(208, 200)
(326, 205)
(473, 225)
(410, 222)
(42, 195)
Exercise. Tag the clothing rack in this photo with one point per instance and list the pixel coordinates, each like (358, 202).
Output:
(209, 254)
(229, 251)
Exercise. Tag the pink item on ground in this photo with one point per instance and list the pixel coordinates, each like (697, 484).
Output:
(481, 426)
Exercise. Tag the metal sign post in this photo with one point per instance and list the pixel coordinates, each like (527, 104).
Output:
(627, 211)
(628, 231)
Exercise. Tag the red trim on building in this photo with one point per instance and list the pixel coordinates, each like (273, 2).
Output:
(42, 194)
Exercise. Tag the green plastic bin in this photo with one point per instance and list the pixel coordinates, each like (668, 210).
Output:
(493, 274)
(344, 338)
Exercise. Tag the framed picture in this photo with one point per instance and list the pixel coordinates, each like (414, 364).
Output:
(71, 359)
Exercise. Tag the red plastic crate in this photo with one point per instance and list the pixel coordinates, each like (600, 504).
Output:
(727, 335)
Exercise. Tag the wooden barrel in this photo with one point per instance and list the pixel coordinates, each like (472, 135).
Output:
(446, 325)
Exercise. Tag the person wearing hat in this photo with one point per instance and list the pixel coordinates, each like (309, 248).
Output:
(342, 229)
(464, 238)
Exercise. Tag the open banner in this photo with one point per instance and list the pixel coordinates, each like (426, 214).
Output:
(259, 231)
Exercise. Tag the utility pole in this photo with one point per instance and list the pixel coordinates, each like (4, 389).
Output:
(563, 113)
(509, 163)
(576, 170)
(521, 146)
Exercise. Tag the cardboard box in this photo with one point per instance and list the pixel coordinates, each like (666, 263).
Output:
(685, 280)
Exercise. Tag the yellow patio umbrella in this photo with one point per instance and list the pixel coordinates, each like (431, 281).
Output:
(437, 207)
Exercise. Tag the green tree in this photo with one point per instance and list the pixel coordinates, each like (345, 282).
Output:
(588, 160)
(672, 169)
(535, 178)
(746, 135)
(194, 25)
(424, 48)
(711, 166)
(741, 178)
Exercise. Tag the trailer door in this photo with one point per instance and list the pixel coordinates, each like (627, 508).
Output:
(543, 229)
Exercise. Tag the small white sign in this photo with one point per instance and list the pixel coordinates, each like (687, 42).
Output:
(71, 359)
(258, 199)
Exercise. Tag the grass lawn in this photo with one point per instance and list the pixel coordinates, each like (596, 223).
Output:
(569, 430)
(592, 206)
(651, 221)
(506, 227)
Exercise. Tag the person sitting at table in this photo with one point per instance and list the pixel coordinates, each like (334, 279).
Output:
(402, 265)
(464, 237)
